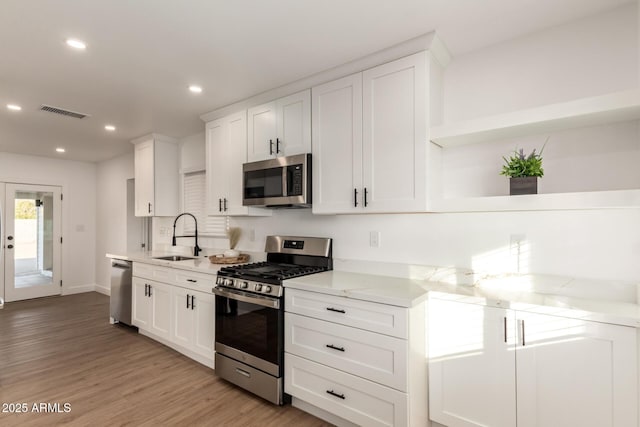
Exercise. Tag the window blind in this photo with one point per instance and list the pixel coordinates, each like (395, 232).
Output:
(195, 202)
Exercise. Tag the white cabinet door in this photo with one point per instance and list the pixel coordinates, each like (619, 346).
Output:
(143, 174)
(395, 135)
(262, 132)
(236, 155)
(472, 372)
(576, 373)
(160, 310)
(140, 304)
(280, 128)
(217, 165)
(156, 167)
(293, 124)
(204, 309)
(337, 146)
(182, 327)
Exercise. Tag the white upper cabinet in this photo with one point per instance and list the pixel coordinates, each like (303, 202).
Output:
(156, 176)
(226, 151)
(280, 128)
(370, 139)
(337, 145)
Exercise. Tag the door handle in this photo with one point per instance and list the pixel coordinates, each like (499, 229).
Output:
(277, 145)
(219, 205)
(149, 207)
(9, 246)
(146, 290)
(333, 393)
(187, 300)
(355, 197)
(271, 147)
(149, 291)
(333, 347)
(225, 204)
(192, 301)
(9, 237)
(365, 197)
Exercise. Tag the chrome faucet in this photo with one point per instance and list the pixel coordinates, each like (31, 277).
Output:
(196, 249)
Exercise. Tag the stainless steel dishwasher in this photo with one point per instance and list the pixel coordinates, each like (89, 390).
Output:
(121, 272)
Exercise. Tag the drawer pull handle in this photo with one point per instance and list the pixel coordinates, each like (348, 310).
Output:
(333, 393)
(336, 310)
(192, 281)
(243, 372)
(333, 347)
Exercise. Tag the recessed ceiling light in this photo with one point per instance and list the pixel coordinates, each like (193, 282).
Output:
(110, 128)
(14, 107)
(195, 89)
(60, 150)
(76, 44)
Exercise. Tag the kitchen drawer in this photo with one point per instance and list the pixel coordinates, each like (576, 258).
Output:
(380, 318)
(352, 398)
(153, 272)
(193, 280)
(376, 357)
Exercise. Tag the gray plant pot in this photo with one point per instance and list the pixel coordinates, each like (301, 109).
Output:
(523, 185)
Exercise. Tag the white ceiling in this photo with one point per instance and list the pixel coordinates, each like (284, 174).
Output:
(143, 54)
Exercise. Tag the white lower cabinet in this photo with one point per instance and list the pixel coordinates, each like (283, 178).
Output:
(500, 367)
(151, 306)
(337, 362)
(178, 316)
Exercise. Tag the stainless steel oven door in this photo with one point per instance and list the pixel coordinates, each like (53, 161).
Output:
(250, 329)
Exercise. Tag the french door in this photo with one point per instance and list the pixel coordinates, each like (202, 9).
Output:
(31, 240)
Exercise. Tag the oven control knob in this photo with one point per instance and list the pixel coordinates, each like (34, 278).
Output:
(266, 289)
(243, 285)
(258, 288)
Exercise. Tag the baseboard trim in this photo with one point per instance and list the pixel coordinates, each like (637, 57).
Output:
(103, 289)
(321, 413)
(78, 289)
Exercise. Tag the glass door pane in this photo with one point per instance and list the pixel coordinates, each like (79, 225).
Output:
(32, 241)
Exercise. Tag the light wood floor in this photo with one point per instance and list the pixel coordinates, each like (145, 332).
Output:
(63, 350)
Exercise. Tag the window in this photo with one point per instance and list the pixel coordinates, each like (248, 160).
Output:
(195, 202)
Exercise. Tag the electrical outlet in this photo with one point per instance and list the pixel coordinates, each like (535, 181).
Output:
(374, 239)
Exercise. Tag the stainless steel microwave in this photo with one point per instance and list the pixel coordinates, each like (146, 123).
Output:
(283, 182)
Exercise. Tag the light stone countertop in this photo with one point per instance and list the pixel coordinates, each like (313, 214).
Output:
(200, 264)
(410, 292)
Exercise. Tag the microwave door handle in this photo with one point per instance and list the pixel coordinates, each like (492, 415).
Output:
(284, 181)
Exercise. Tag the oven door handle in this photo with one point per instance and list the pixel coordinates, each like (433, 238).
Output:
(242, 296)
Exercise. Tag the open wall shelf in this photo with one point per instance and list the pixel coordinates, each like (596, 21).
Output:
(610, 108)
(614, 199)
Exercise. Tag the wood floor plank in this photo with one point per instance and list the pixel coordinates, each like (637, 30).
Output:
(63, 350)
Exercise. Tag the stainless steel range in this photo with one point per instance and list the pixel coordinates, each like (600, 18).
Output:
(250, 313)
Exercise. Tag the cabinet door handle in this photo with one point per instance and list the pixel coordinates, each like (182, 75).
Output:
(271, 147)
(333, 347)
(505, 329)
(149, 291)
(146, 292)
(365, 197)
(149, 207)
(192, 281)
(193, 298)
(336, 310)
(9, 246)
(219, 205)
(355, 197)
(333, 393)
(523, 341)
(225, 204)
(277, 145)
(187, 300)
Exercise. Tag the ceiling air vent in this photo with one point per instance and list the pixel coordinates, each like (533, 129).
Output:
(67, 113)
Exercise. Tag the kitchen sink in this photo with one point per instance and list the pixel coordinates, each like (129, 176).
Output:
(174, 258)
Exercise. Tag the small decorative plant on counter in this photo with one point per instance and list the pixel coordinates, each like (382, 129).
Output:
(523, 171)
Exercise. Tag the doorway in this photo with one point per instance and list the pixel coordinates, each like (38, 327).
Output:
(32, 241)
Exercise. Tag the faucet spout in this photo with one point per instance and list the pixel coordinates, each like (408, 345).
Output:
(196, 248)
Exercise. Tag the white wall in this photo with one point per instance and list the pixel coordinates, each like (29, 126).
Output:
(111, 190)
(589, 57)
(78, 182)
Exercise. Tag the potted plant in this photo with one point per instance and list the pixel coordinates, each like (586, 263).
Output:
(523, 171)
